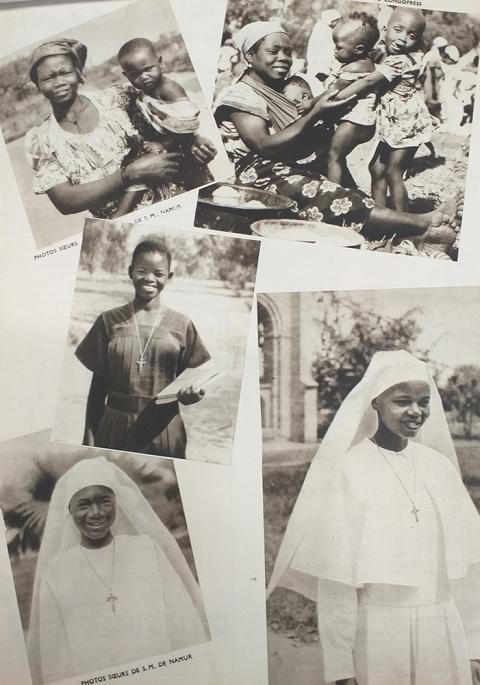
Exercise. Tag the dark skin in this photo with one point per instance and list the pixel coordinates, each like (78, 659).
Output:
(352, 53)
(143, 68)
(58, 81)
(150, 274)
(402, 410)
(389, 165)
(270, 62)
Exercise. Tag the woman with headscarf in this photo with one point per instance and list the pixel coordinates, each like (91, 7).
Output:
(111, 584)
(265, 137)
(82, 154)
(382, 531)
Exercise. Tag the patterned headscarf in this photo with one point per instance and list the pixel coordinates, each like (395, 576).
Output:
(63, 46)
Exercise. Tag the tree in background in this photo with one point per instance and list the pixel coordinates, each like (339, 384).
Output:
(349, 335)
(104, 247)
(461, 395)
(299, 16)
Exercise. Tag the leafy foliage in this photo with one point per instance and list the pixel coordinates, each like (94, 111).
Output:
(104, 247)
(231, 260)
(349, 336)
(299, 16)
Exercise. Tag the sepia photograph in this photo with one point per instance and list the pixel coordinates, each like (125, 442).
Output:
(371, 483)
(346, 123)
(156, 346)
(105, 119)
(101, 557)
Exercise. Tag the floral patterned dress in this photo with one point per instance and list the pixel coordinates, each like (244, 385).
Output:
(57, 156)
(315, 197)
(403, 119)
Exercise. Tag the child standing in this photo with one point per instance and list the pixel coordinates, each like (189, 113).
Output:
(165, 117)
(403, 119)
(354, 36)
(134, 352)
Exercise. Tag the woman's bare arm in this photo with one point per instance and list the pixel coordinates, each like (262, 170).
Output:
(284, 144)
(70, 199)
(95, 407)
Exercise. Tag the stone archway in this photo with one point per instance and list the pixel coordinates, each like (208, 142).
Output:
(269, 343)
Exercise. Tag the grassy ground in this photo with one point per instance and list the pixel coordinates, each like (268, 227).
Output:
(290, 615)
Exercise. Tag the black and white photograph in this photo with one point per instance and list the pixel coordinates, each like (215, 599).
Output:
(101, 557)
(156, 345)
(347, 123)
(105, 119)
(371, 485)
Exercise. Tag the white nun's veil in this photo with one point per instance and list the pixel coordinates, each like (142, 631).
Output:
(134, 517)
(354, 421)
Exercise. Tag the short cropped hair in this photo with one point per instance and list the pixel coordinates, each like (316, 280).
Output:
(133, 45)
(367, 29)
(153, 244)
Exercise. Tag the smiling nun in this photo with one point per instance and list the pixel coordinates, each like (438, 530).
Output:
(384, 534)
(111, 584)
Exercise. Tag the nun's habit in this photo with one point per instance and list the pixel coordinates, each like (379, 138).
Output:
(383, 541)
(75, 627)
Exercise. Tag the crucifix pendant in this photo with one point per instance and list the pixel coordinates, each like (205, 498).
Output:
(112, 599)
(140, 364)
(416, 512)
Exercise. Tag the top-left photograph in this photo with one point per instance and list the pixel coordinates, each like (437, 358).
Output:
(106, 118)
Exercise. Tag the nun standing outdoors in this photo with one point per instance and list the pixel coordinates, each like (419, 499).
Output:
(385, 538)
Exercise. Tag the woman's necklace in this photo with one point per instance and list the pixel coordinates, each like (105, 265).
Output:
(111, 597)
(74, 119)
(141, 360)
(415, 511)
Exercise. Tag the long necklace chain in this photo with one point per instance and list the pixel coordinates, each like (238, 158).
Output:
(111, 597)
(74, 120)
(141, 361)
(415, 511)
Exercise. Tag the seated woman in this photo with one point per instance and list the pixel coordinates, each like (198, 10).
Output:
(111, 584)
(385, 538)
(265, 136)
(81, 155)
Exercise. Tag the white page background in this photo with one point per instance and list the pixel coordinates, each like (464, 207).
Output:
(223, 506)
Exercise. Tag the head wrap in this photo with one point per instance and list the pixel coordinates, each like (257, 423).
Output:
(329, 16)
(134, 516)
(354, 421)
(63, 46)
(250, 34)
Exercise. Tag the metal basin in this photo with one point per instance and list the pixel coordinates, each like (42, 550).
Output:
(308, 231)
(234, 215)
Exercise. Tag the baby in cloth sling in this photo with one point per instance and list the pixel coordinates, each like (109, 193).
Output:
(165, 118)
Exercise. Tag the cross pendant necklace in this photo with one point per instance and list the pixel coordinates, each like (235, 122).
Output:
(141, 362)
(414, 510)
(112, 599)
